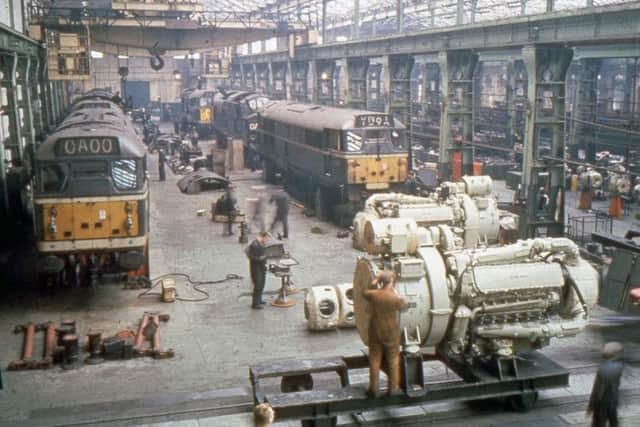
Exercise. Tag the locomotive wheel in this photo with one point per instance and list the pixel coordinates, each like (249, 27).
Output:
(523, 402)
(320, 205)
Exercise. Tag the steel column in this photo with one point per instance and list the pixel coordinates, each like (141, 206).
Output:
(324, 71)
(262, 77)
(398, 86)
(25, 103)
(356, 76)
(15, 143)
(583, 137)
(279, 73)
(546, 72)
(299, 76)
(456, 120)
(516, 101)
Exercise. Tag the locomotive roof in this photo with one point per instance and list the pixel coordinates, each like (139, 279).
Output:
(129, 144)
(199, 92)
(317, 117)
(79, 117)
(95, 94)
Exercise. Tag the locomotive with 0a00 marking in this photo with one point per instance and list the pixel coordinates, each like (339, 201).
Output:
(91, 197)
(332, 158)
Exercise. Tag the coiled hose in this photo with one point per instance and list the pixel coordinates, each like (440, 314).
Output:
(195, 285)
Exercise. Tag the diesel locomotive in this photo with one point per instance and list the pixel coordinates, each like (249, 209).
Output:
(91, 196)
(332, 158)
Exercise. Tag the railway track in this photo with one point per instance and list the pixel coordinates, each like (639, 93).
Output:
(164, 409)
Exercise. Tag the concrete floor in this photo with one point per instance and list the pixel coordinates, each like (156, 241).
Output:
(216, 340)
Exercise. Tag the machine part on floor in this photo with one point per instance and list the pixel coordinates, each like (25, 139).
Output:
(95, 348)
(244, 232)
(71, 344)
(469, 206)
(137, 343)
(49, 345)
(485, 305)
(113, 348)
(26, 361)
(322, 308)
(158, 352)
(67, 326)
(168, 290)
(346, 317)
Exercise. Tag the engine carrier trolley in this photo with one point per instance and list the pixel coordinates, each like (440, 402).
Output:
(517, 380)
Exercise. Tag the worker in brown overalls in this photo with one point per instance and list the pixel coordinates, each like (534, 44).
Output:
(384, 330)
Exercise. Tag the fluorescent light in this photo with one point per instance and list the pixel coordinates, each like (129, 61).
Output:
(96, 54)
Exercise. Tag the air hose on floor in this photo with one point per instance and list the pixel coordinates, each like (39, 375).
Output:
(196, 285)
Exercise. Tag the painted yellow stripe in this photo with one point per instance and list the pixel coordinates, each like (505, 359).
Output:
(92, 244)
(49, 200)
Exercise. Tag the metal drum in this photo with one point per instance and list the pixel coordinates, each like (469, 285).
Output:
(322, 308)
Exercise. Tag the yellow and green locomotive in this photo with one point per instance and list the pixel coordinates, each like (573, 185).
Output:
(332, 158)
(91, 197)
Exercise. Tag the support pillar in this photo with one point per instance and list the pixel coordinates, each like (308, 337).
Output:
(582, 137)
(398, 85)
(15, 144)
(356, 77)
(248, 77)
(236, 77)
(456, 119)
(355, 28)
(399, 16)
(262, 77)
(544, 130)
(299, 75)
(324, 71)
(279, 73)
(25, 106)
(375, 96)
(516, 101)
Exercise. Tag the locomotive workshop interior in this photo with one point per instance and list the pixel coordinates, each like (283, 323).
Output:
(319, 213)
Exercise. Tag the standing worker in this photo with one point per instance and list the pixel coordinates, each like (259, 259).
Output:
(161, 161)
(231, 207)
(603, 403)
(258, 268)
(281, 199)
(384, 330)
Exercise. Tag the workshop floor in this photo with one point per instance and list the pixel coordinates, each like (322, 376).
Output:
(215, 341)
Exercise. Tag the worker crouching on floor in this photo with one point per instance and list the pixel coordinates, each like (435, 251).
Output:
(258, 268)
(384, 331)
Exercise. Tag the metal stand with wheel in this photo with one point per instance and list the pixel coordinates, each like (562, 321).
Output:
(283, 271)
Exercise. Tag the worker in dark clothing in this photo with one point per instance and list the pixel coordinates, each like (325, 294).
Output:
(116, 98)
(161, 161)
(194, 137)
(411, 185)
(258, 268)
(603, 403)
(281, 199)
(230, 205)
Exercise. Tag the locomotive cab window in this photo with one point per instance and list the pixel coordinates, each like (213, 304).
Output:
(124, 174)
(52, 178)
